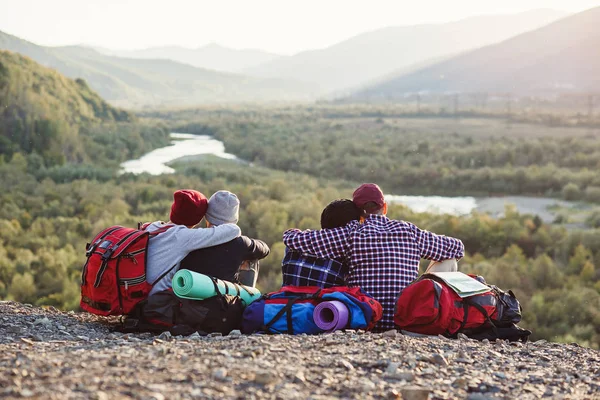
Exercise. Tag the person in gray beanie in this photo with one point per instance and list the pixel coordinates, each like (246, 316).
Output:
(223, 208)
(235, 261)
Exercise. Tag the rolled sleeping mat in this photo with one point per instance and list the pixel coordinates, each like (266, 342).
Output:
(192, 285)
(331, 315)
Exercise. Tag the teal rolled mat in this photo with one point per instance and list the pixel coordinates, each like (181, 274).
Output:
(192, 285)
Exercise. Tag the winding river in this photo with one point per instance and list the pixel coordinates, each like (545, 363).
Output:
(183, 144)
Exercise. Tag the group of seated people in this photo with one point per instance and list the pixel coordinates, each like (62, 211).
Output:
(357, 245)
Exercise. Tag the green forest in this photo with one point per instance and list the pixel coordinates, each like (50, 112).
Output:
(61, 146)
(409, 155)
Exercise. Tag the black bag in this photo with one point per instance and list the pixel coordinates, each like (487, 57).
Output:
(504, 324)
(509, 308)
(164, 311)
(512, 333)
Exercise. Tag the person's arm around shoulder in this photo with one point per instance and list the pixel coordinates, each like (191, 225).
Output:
(257, 249)
(437, 247)
(207, 237)
(324, 243)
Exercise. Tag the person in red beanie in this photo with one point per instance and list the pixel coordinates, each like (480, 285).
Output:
(167, 249)
(383, 255)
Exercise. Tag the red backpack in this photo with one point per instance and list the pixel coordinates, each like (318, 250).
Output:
(113, 280)
(429, 306)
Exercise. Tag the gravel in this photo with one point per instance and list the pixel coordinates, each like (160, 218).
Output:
(48, 354)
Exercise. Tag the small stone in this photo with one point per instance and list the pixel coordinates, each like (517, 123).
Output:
(485, 341)
(414, 393)
(500, 375)
(235, 332)
(439, 359)
(347, 365)
(15, 329)
(367, 385)
(100, 396)
(392, 333)
(460, 382)
(84, 338)
(392, 368)
(462, 336)
(540, 342)
(402, 376)
(26, 393)
(215, 334)
(265, 378)
(299, 378)
(194, 336)
(479, 396)
(42, 321)
(166, 335)
(220, 374)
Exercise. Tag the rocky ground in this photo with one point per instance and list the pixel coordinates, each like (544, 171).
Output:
(48, 354)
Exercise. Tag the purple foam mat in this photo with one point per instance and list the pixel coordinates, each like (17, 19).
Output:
(331, 315)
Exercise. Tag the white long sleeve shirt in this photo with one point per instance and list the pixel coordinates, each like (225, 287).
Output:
(168, 248)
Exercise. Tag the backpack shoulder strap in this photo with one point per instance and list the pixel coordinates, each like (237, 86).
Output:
(163, 275)
(285, 309)
(144, 226)
(468, 302)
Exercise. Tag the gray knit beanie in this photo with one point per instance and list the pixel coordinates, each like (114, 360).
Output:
(223, 208)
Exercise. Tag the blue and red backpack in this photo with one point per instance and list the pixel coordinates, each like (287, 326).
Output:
(290, 310)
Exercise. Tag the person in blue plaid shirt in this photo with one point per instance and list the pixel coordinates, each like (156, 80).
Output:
(304, 269)
(383, 255)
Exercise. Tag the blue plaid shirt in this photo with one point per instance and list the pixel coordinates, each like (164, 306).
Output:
(305, 270)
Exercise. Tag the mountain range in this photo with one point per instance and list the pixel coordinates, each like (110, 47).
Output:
(211, 56)
(157, 82)
(477, 53)
(368, 56)
(560, 57)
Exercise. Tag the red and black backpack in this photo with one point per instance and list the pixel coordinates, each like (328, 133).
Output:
(429, 306)
(113, 280)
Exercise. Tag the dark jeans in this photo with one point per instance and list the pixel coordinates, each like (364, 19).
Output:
(248, 273)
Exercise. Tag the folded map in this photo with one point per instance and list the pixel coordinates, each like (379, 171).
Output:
(462, 284)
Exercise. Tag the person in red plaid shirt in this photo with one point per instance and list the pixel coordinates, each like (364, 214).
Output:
(383, 254)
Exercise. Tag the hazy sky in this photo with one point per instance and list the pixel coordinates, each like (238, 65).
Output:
(280, 26)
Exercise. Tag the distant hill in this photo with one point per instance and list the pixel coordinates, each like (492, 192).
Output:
(211, 56)
(137, 83)
(561, 57)
(372, 55)
(39, 108)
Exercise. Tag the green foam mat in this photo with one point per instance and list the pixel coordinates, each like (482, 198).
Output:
(192, 285)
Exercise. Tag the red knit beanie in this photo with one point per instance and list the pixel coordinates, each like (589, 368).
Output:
(189, 207)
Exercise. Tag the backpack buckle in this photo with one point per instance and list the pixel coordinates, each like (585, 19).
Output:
(91, 247)
(108, 253)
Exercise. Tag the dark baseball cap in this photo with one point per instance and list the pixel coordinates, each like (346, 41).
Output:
(368, 192)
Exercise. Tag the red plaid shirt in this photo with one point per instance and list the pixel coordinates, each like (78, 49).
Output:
(383, 254)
